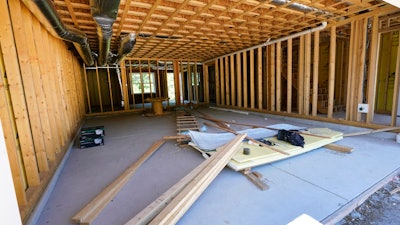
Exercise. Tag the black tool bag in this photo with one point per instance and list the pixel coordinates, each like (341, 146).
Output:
(292, 137)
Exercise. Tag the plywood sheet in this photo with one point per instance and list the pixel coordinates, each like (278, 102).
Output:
(314, 138)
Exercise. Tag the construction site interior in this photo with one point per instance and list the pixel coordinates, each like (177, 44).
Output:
(195, 111)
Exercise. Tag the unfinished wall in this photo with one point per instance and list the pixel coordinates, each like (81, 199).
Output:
(321, 76)
(41, 100)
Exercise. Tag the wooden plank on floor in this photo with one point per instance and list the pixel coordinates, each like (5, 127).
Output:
(339, 148)
(181, 203)
(89, 213)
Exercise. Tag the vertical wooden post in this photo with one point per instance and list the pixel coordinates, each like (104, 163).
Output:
(331, 79)
(217, 84)
(239, 80)
(362, 49)
(196, 87)
(206, 84)
(350, 74)
(130, 81)
(110, 88)
(87, 89)
(233, 83)
(125, 85)
(176, 83)
(300, 78)
(272, 77)
(227, 87)
(373, 68)
(289, 75)
(307, 73)
(259, 78)
(252, 86)
(245, 74)
(189, 77)
(222, 81)
(99, 88)
(278, 76)
(315, 75)
(396, 91)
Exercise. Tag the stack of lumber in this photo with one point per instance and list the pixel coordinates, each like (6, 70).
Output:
(172, 205)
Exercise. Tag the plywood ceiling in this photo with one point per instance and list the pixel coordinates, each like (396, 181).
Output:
(205, 29)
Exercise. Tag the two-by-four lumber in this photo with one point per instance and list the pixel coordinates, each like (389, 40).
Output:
(339, 148)
(182, 202)
(89, 213)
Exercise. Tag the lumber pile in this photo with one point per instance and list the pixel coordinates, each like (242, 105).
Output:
(172, 205)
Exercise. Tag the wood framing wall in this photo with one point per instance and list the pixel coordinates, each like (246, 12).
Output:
(312, 76)
(108, 86)
(41, 100)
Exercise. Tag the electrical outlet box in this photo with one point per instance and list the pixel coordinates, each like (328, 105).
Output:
(362, 108)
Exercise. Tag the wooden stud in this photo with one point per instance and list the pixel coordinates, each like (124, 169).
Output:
(233, 83)
(289, 75)
(217, 83)
(396, 91)
(206, 84)
(99, 88)
(307, 73)
(315, 75)
(227, 82)
(272, 83)
(176, 83)
(259, 79)
(361, 63)
(239, 91)
(110, 88)
(372, 69)
(278, 89)
(331, 79)
(222, 80)
(252, 81)
(125, 85)
(350, 80)
(245, 85)
(87, 89)
(300, 78)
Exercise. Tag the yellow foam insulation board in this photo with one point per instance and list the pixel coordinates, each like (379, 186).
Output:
(314, 138)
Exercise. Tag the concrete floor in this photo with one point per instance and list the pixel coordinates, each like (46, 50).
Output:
(322, 183)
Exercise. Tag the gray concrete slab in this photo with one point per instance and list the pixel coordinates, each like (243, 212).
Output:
(318, 183)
